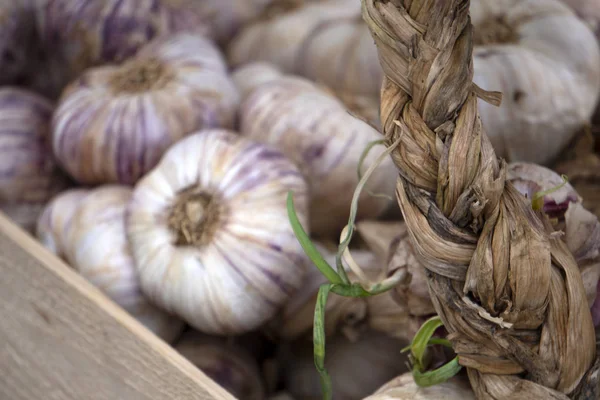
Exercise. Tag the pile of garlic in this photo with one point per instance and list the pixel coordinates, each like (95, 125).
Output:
(151, 145)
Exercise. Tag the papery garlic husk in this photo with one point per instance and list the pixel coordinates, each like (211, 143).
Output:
(357, 368)
(326, 41)
(580, 228)
(94, 243)
(210, 233)
(79, 34)
(314, 129)
(225, 362)
(113, 124)
(546, 63)
(404, 387)
(29, 175)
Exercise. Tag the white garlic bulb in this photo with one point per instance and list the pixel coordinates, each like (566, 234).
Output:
(404, 387)
(225, 362)
(29, 175)
(546, 62)
(325, 41)
(210, 234)
(87, 228)
(314, 129)
(114, 122)
(357, 368)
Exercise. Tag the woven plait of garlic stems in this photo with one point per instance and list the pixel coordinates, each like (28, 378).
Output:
(509, 294)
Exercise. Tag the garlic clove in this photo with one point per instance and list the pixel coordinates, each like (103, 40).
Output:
(315, 130)
(55, 221)
(357, 368)
(404, 387)
(546, 62)
(113, 124)
(225, 362)
(210, 234)
(29, 175)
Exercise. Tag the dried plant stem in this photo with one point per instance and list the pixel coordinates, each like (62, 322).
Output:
(508, 292)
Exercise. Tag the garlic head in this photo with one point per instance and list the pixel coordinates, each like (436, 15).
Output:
(114, 122)
(404, 387)
(546, 62)
(314, 129)
(210, 234)
(29, 175)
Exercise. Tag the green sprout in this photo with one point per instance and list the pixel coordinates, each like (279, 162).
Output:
(339, 283)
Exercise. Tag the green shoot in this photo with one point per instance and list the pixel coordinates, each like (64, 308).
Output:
(361, 161)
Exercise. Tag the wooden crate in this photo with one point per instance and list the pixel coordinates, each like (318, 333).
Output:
(62, 339)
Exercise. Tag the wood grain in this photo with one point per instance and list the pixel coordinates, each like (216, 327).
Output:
(62, 339)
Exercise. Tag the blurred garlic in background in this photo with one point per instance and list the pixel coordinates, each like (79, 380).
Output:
(94, 243)
(113, 124)
(209, 231)
(324, 41)
(29, 175)
(546, 63)
(314, 129)
(225, 362)
(404, 387)
(357, 368)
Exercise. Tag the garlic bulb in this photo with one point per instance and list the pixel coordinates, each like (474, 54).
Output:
(546, 62)
(210, 234)
(79, 34)
(29, 176)
(315, 130)
(357, 368)
(87, 228)
(113, 123)
(325, 41)
(226, 363)
(404, 387)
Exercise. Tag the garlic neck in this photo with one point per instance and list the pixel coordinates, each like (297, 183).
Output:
(494, 30)
(194, 218)
(138, 76)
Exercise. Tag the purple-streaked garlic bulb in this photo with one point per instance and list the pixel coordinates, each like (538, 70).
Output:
(79, 34)
(210, 234)
(581, 228)
(316, 131)
(29, 175)
(113, 124)
(357, 368)
(404, 387)
(86, 227)
(225, 361)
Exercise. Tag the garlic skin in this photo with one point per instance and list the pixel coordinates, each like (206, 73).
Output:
(546, 62)
(29, 175)
(249, 76)
(324, 41)
(228, 364)
(79, 34)
(357, 368)
(587, 10)
(86, 227)
(404, 387)
(113, 124)
(314, 129)
(209, 231)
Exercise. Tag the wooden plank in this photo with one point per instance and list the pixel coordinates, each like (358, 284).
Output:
(62, 339)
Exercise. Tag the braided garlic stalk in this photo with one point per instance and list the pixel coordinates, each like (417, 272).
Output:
(508, 291)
